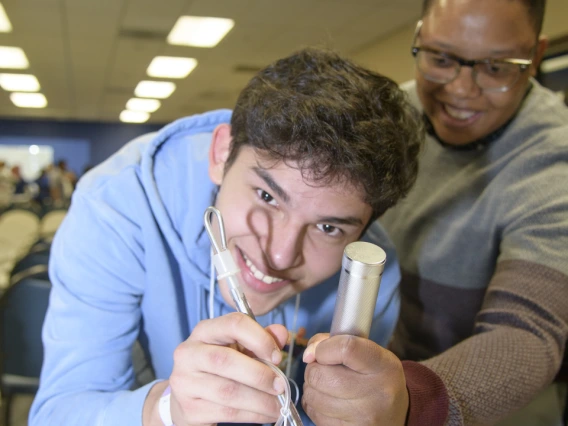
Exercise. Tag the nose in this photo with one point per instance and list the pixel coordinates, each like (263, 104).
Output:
(464, 85)
(284, 246)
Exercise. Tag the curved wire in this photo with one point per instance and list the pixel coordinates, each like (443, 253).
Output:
(207, 220)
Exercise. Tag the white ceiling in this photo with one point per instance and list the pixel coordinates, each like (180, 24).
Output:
(89, 55)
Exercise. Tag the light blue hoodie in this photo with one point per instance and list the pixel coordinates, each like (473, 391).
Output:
(132, 261)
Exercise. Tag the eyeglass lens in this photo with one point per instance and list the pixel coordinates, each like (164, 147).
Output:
(488, 75)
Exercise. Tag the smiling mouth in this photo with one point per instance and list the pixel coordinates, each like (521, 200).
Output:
(459, 113)
(267, 279)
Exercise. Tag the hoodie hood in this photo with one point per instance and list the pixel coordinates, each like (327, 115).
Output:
(174, 173)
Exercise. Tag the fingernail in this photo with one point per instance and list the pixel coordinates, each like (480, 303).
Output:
(276, 357)
(309, 354)
(278, 385)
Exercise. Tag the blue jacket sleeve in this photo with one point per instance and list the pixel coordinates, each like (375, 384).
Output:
(93, 320)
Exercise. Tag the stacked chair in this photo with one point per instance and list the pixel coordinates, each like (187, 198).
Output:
(25, 242)
(22, 311)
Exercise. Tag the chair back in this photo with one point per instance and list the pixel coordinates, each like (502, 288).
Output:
(50, 222)
(22, 312)
(29, 260)
(18, 231)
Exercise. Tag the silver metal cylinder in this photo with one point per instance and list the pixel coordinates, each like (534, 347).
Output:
(361, 269)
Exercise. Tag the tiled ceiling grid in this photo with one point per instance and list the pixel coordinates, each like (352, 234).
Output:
(89, 55)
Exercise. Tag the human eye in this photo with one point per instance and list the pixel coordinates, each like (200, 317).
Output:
(497, 68)
(330, 230)
(440, 60)
(266, 197)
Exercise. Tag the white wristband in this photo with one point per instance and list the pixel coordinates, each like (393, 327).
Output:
(164, 408)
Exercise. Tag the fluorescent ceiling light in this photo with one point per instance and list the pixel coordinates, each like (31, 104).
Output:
(28, 100)
(19, 82)
(154, 89)
(13, 58)
(5, 26)
(171, 67)
(134, 116)
(554, 64)
(145, 105)
(199, 31)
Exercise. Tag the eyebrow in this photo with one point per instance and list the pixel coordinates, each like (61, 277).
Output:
(444, 46)
(332, 220)
(349, 220)
(265, 176)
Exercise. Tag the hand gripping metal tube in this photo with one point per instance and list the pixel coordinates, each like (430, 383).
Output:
(361, 269)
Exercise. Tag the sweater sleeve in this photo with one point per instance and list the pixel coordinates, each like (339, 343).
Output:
(92, 320)
(487, 376)
(428, 397)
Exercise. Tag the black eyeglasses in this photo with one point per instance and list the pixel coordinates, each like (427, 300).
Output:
(496, 75)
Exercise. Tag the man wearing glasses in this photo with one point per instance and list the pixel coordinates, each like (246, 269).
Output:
(483, 235)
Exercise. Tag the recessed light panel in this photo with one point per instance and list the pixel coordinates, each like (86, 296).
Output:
(28, 100)
(19, 82)
(199, 31)
(145, 105)
(5, 25)
(134, 116)
(154, 89)
(171, 67)
(13, 58)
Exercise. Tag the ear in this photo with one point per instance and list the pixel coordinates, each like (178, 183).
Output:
(540, 49)
(219, 152)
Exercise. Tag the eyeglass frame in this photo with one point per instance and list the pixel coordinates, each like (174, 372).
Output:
(523, 64)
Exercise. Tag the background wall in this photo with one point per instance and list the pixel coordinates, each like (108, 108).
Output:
(81, 144)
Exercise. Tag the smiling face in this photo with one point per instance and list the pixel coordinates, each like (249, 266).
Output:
(285, 235)
(460, 111)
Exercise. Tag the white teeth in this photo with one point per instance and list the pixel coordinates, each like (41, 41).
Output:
(460, 114)
(267, 279)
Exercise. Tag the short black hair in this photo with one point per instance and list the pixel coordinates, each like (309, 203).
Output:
(535, 10)
(335, 120)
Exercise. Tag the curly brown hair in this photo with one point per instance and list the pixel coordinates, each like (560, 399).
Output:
(336, 121)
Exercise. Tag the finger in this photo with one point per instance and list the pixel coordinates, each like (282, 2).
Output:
(324, 409)
(197, 357)
(316, 338)
(201, 411)
(337, 393)
(319, 418)
(309, 353)
(335, 380)
(238, 328)
(357, 353)
(228, 393)
(279, 333)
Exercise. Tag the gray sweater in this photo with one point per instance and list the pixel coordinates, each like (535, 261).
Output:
(483, 244)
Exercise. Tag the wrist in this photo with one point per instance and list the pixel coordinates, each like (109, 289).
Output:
(151, 411)
(164, 407)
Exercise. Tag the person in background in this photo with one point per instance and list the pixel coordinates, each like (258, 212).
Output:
(19, 182)
(43, 193)
(61, 183)
(68, 180)
(483, 235)
(314, 151)
(55, 177)
(6, 186)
